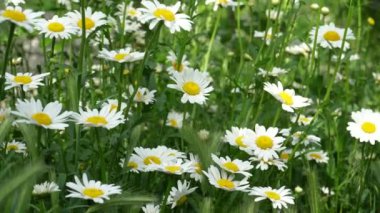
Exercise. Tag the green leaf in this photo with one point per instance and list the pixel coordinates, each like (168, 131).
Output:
(4, 128)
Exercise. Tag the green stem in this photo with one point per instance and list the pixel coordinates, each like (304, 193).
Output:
(6, 56)
(216, 26)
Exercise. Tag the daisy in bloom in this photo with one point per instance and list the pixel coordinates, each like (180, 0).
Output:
(175, 66)
(121, 56)
(267, 36)
(27, 81)
(16, 147)
(177, 167)
(91, 189)
(317, 156)
(173, 152)
(178, 196)
(194, 84)
(196, 170)
(235, 166)
(49, 117)
(57, 27)
(264, 143)
(302, 119)
(134, 164)
(222, 3)
(23, 18)
(287, 97)
(154, 157)
(279, 197)
(92, 20)
(298, 48)
(285, 155)
(235, 136)
(306, 140)
(365, 126)
(155, 12)
(143, 95)
(264, 164)
(113, 104)
(106, 117)
(220, 179)
(4, 113)
(45, 188)
(275, 72)
(130, 11)
(151, 208)
(175, 119)
(331, 37)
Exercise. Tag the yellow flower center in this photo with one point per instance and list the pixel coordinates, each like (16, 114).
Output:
(231, 166)
(120, 56)
(239, 141)
(165, 14)
(22, 79)
(304, 119)
(222, 1)
(2, 118)
(173, 123)
(15, 15)
(286, 98)
(12, 147)
(93, 192)
(132, 12)
(331, 36)
(177, 67)
(264, 142)
(315, 156)
(139, 96)
(88, 23)
(97, 120)
(284, 156)
(152, 159)
(198, 168)
(368, 127)
(371, 21)
(42, 118)
(181, 200)
(273, 195)
(225, 183)
(172, 169)
(191, 88)
(56, 27)
(113, 107)
(132, 165)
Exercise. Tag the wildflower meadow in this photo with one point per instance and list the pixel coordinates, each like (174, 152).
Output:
(189, 106)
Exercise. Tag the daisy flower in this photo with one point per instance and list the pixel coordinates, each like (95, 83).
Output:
(298, 48)
(221, 3)
(279, 197)
(235, 136)
(178, 196)
(194, 84)
(134, 164)
(130, 11)
(275, 72)
(235, 166)
(91, 189)
(121, 56)
(151, 158)
(306, 140)
(23, 18)
(264, 164)
(143, 95)
(325, 190)
(155, 12)
(264, 143)
(365, 126)
(49, 117)
(17, 147)
(331, 37)
(317, 156)
(151, 208)
(57, 28)
(175, 119)
(196, 167)
(302, 119)
(27, 81)
(177, 167)
(92, 20)
(113, 104)
(220, 179)
(106, 117)
(175, 66)
(267, 36)
(285, 155)
(287, 97)
(45, 188)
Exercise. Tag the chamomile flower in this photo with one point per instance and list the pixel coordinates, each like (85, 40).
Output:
(235, 166)
(113, 104)
(151, 208)
(264, 143)
(49, 117)
(91, 189)
(155, 12)
(286, 154)
(105, 117)
(365, 126)
(298, 48)
(220, 179)
(264, 164)
(279, 197)
(331, 37)
(267, 36)
(317, 156)
(175, 119)
(302, 119)
(287, 97)
(235, 136)
(134, 164)
(143, 95)
(306, 140)
(221, 3)
(175, 66)
(178, 196)
(27, 81)
(153, 157)
(57, 27)
(4, 113)
(45, 188)
(194, 84)
(130, 11)
(23, 18)
(177, 167)
(121, 56)
(15, 146)
(275, 72)
(92, 20)
(196, 167)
